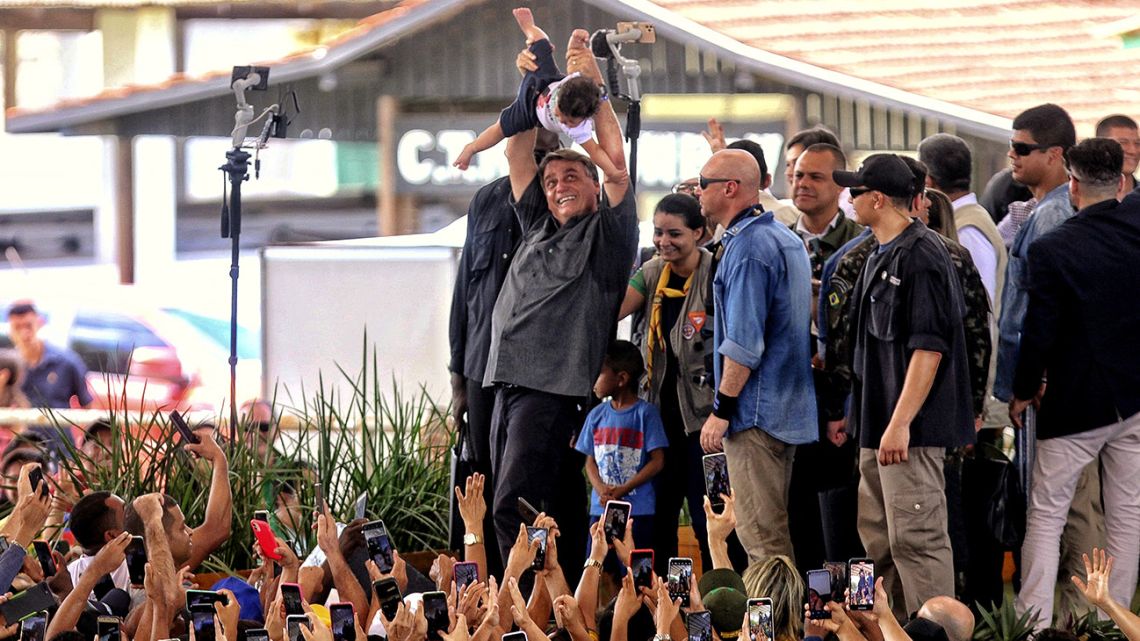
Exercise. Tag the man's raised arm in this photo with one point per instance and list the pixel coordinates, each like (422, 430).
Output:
(520, 159)
(606, 125)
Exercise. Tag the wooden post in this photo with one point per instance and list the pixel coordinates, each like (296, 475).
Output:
(125, 209)
(10, 60)
(387, 210)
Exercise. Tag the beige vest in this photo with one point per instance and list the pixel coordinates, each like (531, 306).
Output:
(694, 398)
(976, 216)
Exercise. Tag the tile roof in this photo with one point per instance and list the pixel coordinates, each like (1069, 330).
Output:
(976, 61)
(115, 101)
(995, 56)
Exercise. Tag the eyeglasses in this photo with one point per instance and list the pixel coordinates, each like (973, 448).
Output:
(685, 188)
(705, 182)
(858, 191)
(1024, 148)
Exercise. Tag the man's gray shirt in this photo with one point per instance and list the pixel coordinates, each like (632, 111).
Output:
(558, 307)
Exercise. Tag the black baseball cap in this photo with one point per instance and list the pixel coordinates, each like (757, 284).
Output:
(880, 172)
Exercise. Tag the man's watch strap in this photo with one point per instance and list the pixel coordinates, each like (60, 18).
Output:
(472, 539)
(592, 563)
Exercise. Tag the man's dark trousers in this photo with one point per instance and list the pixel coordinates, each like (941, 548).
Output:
(532, 434)
(480, 406)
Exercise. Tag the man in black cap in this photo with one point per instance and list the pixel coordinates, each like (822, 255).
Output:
(911, 393)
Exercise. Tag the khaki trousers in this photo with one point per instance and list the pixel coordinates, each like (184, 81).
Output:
(760, 471)
(902, 523)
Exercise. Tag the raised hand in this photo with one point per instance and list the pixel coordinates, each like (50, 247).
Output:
(1097, 572)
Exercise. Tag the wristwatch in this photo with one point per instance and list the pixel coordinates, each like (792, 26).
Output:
(471, 539)
(592, 563)
(662, 637)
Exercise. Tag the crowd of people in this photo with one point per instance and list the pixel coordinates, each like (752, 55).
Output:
(850, 351)
(802, 376)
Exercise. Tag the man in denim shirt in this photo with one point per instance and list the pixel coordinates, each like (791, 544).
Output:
(765, 401)
(1041, 135)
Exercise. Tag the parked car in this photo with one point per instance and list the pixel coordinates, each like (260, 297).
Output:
(143, 357)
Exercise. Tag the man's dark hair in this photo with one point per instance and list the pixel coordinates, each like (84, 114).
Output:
(579, 98)
(22, 451)
(757, 152)
(568, 155)
(1096, 163)
(1115, 120)
(948, 158)
(624, 356)
(918, 168)
(21, 308)
(684, 207)
(101, 425)
(838, 158)
(814, 136)
(1049, 125)
(90, 519)
(133, 523)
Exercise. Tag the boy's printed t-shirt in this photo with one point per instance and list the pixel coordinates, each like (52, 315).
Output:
(620, 442)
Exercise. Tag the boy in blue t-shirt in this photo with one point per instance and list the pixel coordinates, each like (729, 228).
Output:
(624, 442)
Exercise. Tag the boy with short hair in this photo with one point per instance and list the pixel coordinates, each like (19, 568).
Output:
(562, 104)
(624, 441)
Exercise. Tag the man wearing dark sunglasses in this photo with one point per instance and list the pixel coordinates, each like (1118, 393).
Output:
(1037, 156)
(911, 392)
(765, 400)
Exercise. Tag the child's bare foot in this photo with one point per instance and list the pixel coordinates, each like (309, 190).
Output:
(525, 18)
(580, 39)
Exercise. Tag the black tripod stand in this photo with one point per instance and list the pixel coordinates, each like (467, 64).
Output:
(606, 43)
(237, 172)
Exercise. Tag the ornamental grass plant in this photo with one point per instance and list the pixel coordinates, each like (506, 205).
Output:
(375, 439)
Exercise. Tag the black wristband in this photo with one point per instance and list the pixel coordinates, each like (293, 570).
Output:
(724, 406)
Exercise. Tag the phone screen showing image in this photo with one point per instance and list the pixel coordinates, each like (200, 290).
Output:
(34, 627)
(538, 534)
(388, 592)
(379, 545)
(435, 611)
(819, 593)
(861, 584)
(343, 622)
(466, 574)
(700, 626)
(107, 629)
(680, 574)
(293, 624)
(760, 619)
(291, 598)
(716, 478)
(641, 564)
(202, 617)
(614, 520)
(838, 571)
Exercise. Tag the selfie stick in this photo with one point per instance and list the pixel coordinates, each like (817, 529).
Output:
(606, 43)
(237, 172)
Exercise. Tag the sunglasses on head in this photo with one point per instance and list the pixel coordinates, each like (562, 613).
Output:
(1024, 148)
(705, 182)
(685, 188)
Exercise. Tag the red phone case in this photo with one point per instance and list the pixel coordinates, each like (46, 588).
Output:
(265, 539)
